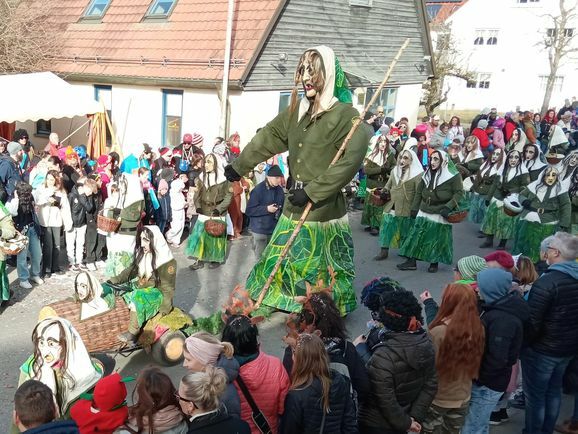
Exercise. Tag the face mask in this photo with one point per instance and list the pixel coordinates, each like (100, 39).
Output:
(49, 345)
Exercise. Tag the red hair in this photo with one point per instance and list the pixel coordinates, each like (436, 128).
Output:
(460, 354)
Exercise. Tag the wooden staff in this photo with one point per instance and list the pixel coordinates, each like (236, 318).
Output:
(338, 155)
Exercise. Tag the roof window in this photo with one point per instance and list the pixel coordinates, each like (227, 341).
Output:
(96, 9)
(160, 8)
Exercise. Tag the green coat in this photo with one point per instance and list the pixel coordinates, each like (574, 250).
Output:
(471, 167)
(130, 217)
(312, 144)
(552, 209)
(575, 210)
(377, 175)
(402, 195)
(483, 184)
(167, 282)
(6, 226)
(515, 185)
(447, 195)
(215, 197)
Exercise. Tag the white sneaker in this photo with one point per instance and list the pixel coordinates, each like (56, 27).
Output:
(25, 284)
(100, 264)
(91, 266)
(38, 280)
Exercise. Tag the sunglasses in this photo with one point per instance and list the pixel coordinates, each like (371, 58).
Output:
(180, 398)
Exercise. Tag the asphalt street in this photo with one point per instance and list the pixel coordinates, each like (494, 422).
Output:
(203, 292)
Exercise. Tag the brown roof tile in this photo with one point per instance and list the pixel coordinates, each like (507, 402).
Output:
(192, 39)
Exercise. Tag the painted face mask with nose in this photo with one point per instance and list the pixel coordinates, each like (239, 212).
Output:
(310, 74)
(550, 177)
(405, 160)
(435, 161)
(496, 155)
(514, 159)
(49, 345)
(530, 153)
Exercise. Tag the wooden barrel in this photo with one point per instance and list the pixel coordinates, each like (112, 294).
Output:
(99, 333)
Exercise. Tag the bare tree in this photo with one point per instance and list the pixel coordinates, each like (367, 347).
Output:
(559, 43)
(28, 38)
(447, 64)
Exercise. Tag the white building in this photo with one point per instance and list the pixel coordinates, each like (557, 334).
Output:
(502, 42)
(157, 64)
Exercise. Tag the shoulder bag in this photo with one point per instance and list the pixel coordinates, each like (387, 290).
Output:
(257, 416)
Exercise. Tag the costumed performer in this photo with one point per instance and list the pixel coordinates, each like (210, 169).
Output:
(454, 152)
(213, 194)
(377, 166)
(150, 281)
(512, 179)
(533, 161)
(546, 208)
(399, 193)
(7, 231)
(312, 130)
(438, 194)
(61, 361)
(573, 192)
(129, 206)
(567, 166)
(471, 158)
(483, 182)
(517, 141)
(558, 141)
(91, 295)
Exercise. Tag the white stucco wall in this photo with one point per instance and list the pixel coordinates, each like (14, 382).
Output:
(137, 114)
(516, 62)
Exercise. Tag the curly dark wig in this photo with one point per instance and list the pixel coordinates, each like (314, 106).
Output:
(371, 293)
(321, 312)
(397, 310)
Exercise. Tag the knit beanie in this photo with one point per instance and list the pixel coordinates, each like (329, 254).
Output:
(483, 124)
(493, 284)
(163, 184)
(13, 148)
(470, 266)
(503, 258)
(274, 170)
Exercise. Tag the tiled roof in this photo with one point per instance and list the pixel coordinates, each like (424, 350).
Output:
(188, 45)
(443, 9)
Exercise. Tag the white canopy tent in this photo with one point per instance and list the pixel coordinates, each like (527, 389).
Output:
(41, 95)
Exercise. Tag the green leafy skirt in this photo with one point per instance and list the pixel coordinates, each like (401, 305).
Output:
(117, 262)
(4, 284)
(477, 208)
(429, 241)
(528, 236)
(498, 223)
(362, 189)
(318, 247)
(144, 301)
(394, 230)
(205, 247)
(371, 215)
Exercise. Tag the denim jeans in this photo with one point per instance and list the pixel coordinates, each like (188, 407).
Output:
(542, 379)
(34, 250)
(260, 242)
(482, 404)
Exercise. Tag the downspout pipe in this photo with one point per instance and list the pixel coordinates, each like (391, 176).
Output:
(226, 67)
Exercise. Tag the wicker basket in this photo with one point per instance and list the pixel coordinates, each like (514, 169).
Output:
(107, 224)
(99, 333)
(458, 216)
(375, 198)
(215, 228)
(14, 245)
(554, 159)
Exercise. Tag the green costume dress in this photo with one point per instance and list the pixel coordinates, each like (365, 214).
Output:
(210, 197)
(7, 232)
(482, 184)
(144, 297)
(431, 237)
(548, 210)
(325, 240)
(396, 223)
(377, 172)
(496, 222)
(574, 217)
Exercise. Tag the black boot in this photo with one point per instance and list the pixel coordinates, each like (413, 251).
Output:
(410, 264)
(502, 245)
(213, 265)
(488, 243)
(367, 228)
(197, 265)
(357, 205)
(374, 231)
(433, 267)
(383, 254)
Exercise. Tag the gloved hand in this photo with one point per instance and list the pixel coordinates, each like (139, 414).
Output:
(384, 195)
(445, 212)
(215, 213)
(413, 214)
(527, 203)
(298, 197)
(231, 174)
(487, 202)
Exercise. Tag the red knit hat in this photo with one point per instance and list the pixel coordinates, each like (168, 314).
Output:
(501, 257)
(196, 139)
(188, 138)
(163, 151)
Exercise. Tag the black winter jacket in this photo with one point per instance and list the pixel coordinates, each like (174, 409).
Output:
(56, 427)
(80, 206)
(304, 409)
(218, 423)
(9, 176)
(341, 351)
(504, 322)
(553, 303)
(403, 381)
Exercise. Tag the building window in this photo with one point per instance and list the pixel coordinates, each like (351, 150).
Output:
(568, 33)
(471, 84)
(103, 93)
(387, 100)
(528, 1)
(558, 82)
(484, 81)
(486, 36)
(160, 8)
(43, 128)
(492, 38)
(362, 3)
(96, 9)
(172, 117)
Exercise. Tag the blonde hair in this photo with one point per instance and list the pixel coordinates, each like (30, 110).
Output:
(205, 389)
(228, 351)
